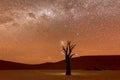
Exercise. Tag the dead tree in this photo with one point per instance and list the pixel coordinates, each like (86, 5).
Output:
(67, 50)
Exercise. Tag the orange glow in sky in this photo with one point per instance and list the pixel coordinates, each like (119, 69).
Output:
(32, 31)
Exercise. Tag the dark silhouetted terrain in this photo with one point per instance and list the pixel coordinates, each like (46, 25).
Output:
(84, 63)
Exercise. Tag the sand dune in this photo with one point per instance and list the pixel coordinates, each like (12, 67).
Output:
(84, 62)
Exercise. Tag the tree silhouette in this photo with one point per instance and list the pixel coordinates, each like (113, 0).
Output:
(67, 50)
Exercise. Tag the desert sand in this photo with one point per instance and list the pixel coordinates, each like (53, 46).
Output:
(58, 75)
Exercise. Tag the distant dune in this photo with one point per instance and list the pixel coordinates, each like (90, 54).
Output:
(12, 65)
(84, 63)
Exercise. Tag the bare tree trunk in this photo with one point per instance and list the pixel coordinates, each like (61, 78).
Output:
(68, 55)
(68, 67)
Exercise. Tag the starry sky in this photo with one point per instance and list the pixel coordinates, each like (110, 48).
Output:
(32, 31)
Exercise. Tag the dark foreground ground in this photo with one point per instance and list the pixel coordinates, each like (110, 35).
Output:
(58, 75)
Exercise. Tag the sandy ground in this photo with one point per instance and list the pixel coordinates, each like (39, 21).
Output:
(58, 75)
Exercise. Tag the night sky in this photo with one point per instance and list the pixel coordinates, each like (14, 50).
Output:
(32, 31)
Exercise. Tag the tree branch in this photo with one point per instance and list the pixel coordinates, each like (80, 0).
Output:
(71, 55)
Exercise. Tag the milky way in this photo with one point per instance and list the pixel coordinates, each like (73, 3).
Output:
(36, 28)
